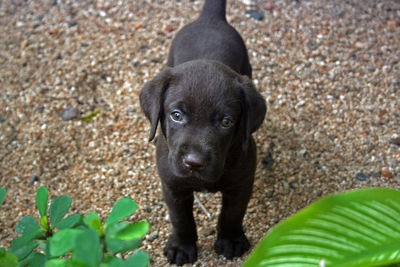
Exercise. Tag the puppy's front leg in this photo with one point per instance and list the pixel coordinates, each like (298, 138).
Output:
(181, 246)
(231, 241)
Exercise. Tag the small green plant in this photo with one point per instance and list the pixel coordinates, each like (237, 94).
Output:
(356, 228)
(3, 192)
(76, 240)
(6, 259)
(90, 116)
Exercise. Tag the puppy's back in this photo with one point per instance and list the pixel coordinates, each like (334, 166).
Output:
(211, 37)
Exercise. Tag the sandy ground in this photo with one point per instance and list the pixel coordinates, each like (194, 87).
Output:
(329, 71)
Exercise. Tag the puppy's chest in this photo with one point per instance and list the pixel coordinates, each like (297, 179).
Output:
(208, 188)
(197, 185)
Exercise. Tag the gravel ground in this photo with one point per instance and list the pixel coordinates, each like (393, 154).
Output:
(329, 70)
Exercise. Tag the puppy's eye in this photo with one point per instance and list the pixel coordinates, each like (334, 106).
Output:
(177, 116)
(227, 122)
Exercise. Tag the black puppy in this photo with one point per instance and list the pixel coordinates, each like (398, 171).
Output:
(208, 108)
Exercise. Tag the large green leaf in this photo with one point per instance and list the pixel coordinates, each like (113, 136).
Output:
(133, 231)
(27, 224)
(69, 222)
(58, 208)
(3, 192)
(8, 259)
(33, 260)
(63, 241)
(356, 228)
(22, 246)
(88, 249)
(90, 217)
(122, 209)
(41, 200)
(138, 259)
(56, 263)
(115, 245)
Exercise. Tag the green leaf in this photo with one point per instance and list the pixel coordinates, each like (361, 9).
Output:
(87, 219)
(64, 263)
(134, 231)
(96, 225)
(114, 228)
(23, 250)
(44, 246)
(8, 259)
(138, 259)
(115, 245)
(58, 208)
(34, 260)
(76, 263)
(88, 249)
(113, 262)
(56, 263)
(69, 222)
(41, 200)
(356, 228)
(3, 192)
(89, 117)
(27, 224)
(122, 209)
(44, 223)
(22, 246)
(63, 242)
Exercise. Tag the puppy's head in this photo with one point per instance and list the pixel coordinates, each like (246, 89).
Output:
(206, 111)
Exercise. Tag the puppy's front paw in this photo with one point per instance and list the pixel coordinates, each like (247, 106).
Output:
(232, 247)
(179, 253)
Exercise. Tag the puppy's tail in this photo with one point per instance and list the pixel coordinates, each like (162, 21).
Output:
(214, 9)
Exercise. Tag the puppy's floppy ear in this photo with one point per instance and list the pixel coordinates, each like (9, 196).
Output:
(152, 98)
(253, 109)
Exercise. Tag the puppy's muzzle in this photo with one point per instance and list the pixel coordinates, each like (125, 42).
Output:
(194, 161)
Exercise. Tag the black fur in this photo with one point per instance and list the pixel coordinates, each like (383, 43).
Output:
(207, 108)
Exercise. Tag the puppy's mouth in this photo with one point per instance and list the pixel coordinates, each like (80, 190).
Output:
(182, 169)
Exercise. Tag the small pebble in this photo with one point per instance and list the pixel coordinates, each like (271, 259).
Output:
(338, 11)
(147, 209)
(130, 110)
(303, 152)
(152, 236)
(361, 176)
(70, 113)
(72, 23)
(387, 174)
(144, 47)
(258, 183)
(392, 25)
(374, 175)
(34, 178)
(255, 15)
(268, 161)
(395, 140)
(207, 231)
(269, 6)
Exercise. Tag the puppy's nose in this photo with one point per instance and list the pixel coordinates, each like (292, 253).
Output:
(194, 161)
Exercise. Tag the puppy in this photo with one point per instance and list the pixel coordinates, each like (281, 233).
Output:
(207, 108)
